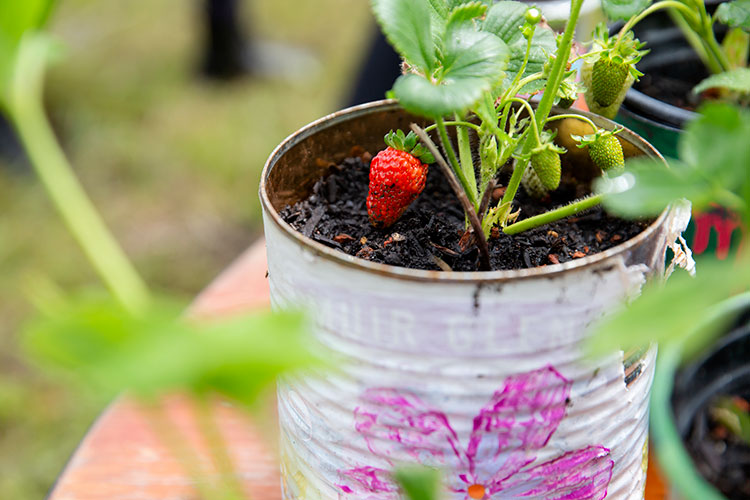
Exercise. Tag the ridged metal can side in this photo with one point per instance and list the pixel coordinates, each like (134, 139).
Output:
(480, 374)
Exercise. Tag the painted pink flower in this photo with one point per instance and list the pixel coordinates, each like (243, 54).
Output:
(498, 461)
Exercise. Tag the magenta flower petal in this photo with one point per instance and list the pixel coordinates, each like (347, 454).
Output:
(388, 418)
(578, 475)
(506, 436)
(522, 415)
(361, 480)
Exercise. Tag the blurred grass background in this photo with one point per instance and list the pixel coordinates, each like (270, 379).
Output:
(171, 160)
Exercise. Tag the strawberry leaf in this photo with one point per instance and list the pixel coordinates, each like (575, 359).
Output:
(689, 301)
(713, 167)
(407, 24)
(472, 63)
(735, 14)
(623, 9)
(466, 13)
(474, 54)
(452, 4)
(99, 343)
(410, 141)
(504, 19)
(716, 144)
(440, 8)
(422, 97)
(647, 187)
(736, 80)
(418, 483)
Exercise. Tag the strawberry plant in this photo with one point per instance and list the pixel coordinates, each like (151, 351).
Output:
(605, 70)
(468, 64)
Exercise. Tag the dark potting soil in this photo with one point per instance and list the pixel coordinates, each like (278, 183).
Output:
(335, 214)
(722, 458)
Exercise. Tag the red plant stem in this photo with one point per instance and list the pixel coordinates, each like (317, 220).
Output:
(487, 197)
(476, 225)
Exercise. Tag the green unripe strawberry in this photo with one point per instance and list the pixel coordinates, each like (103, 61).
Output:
(607, 80)
(533, 185)
(546, 165)
(606, 153)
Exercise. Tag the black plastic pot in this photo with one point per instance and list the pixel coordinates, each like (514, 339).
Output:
(724, 370)
(658, 106)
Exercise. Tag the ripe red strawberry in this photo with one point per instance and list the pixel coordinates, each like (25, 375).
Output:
(397, 176)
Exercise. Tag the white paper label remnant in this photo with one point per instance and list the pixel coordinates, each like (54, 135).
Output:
(678, 219)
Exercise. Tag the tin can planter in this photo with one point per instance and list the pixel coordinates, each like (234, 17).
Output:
(482, 374)
(683, 396)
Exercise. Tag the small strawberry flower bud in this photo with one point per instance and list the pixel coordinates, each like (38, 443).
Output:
(533, 15)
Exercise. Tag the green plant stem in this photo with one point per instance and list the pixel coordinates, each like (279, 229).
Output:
(587, 54)
(58, 179)
(530, 111)
(514, 87)
(576, 117)
(448, 147)
(467, 164)
(707, 32)
(553, 215)
(695, 41)
(523, 82)
(206, 420)
(459, 123)
(716, 50)
(718, 61)
(557, 73)
(554, 80)
(664, 4)
(673, 458)
(504, 120)
(515, 181)
(529, 145)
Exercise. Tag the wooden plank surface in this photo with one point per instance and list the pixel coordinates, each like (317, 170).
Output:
(121, 457)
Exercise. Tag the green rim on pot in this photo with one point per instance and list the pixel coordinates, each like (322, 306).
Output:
(674, 459)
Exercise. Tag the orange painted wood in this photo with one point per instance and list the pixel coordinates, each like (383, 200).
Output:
(122, 457)
(655, 487)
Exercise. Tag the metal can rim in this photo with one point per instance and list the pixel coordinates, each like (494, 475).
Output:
(322, 251)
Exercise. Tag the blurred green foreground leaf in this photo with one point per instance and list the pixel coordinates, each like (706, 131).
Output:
(103, 345)
(418, 483)
(714, 168)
